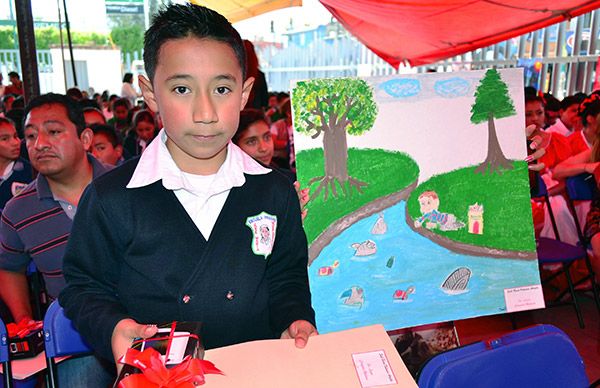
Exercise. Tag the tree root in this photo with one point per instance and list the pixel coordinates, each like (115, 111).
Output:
(330, 181)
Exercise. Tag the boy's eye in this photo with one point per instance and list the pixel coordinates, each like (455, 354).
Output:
(251, 142)
(181, 90)
(267, 137)
(222, 90)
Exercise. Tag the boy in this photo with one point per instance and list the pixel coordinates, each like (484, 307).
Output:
(106, 145)
(174, 235)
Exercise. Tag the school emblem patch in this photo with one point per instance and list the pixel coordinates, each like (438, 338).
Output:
(264, 227)
(17, 187)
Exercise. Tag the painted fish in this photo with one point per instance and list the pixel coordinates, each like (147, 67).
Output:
(328, 269)
(457, 281)
(380, 226)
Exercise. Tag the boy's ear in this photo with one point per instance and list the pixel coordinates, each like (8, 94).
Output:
(246, 89)
(148, 93)
(119, 150)
(87, 137)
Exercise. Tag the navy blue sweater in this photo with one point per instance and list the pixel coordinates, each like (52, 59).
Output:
(136, 253)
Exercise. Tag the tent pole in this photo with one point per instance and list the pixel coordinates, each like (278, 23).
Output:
(70, 42)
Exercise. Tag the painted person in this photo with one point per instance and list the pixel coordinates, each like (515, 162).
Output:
(174, 235)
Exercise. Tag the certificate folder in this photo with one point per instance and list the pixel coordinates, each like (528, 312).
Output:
(361, 358)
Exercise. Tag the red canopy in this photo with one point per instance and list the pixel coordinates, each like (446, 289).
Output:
(425, 31)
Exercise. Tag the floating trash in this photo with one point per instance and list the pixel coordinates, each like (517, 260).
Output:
(328, 270)
(390, 262)
(354, 296)
(403, 294)
(365, 248)
(380, 227)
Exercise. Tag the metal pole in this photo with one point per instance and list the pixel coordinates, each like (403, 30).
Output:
(556, 88)
(70, 42)
(29, 69)
(62, 44)
(575, 52)
(545, 50)
(593, 46)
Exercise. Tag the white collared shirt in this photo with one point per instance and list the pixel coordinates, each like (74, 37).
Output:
(202, 196)
(7, 171)
(559, 127)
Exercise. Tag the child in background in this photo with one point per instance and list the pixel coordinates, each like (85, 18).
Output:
(106, 145)
(174, 235)
(15, 172)
(143, 130)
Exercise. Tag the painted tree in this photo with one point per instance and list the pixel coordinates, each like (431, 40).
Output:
(492, 101)
(331, 108)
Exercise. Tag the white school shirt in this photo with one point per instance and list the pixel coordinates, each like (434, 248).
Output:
(202, 196)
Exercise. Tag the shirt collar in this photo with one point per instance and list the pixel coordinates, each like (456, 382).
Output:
(156, 163)
(43, 188)
(8, 171)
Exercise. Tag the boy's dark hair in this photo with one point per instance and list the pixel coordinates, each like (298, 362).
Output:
(121, 102)
(571, 100)
(14, 74)
(247, 118)
(74, 111)
(532, 98)
(108, 131)
(75, 94)
(552, 103)
(128, 77)
(178, 21)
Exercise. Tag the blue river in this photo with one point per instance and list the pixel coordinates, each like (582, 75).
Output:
(418, 263)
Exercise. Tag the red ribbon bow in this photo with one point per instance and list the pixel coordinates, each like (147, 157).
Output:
(23, 328)
(155, 374)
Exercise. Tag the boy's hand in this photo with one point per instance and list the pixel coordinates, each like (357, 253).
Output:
(124, 333)
(300, 331)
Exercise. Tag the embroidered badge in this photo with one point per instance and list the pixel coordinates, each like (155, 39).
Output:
(263, 226)
(17, 187)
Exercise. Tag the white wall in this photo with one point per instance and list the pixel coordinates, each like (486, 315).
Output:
(103, 68)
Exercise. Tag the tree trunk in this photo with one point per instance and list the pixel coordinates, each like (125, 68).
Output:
(495, 157)
(335, 150)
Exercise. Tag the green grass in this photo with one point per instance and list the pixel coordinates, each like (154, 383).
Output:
(507, 217)
(368, 165)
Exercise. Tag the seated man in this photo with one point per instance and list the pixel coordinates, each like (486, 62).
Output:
(36, 223)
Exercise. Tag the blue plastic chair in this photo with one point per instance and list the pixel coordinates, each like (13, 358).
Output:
(554, 251)
(61, 339)
(537, 356)
(4, 353)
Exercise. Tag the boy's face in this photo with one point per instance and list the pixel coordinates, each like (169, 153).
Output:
(199, 92)
(103, 150)
(257, 142)
(10, 145)
(121, 113)
(428, 204)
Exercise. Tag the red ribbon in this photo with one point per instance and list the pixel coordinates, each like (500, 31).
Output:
(23, 328)
(155, 374)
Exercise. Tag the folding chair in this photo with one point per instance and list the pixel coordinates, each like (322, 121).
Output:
(583, 187)
(554, 251)
(4, 352)
(537, 356)
(61, 339)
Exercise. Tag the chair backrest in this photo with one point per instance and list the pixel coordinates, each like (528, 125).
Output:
(61, 338)
(3, 342)
(538, 356)
(581, 187)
